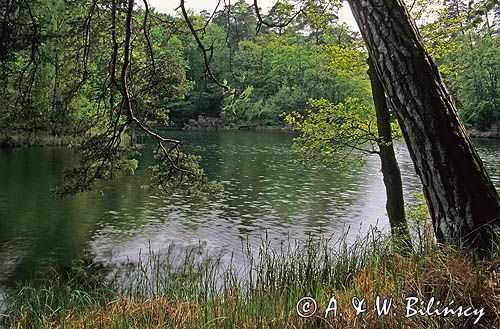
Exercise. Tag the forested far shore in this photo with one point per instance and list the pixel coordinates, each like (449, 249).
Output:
(56, 77)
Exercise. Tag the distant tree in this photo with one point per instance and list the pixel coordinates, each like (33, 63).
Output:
(332, 131)
(395, 205)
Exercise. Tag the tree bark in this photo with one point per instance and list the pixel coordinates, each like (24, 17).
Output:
(462, 200)
(55, 115)
(395, 205)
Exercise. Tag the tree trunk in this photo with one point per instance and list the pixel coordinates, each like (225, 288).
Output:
(395, 205)
(55, 97)
(462, 200)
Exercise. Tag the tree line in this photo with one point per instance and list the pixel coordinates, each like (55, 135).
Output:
(54, 54)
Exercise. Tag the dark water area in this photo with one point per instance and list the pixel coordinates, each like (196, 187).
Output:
(266, 193)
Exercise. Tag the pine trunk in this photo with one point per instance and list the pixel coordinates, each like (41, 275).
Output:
(462, 199)
(395, 205)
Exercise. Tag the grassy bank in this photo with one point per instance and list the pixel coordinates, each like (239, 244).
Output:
(37, 140)
(212, 293)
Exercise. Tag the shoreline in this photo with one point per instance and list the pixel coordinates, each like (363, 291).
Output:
(42, 139)
(473, 133)
(301, 286)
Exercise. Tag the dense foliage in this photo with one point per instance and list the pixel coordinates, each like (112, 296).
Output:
(59, 78)
(463, 36)
(54, 66)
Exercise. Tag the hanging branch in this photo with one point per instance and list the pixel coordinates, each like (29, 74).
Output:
(228, 43)
(207, 52)
(86, 48)
(126, 104)
(204, 28)
(145, 28)
(35, 43)
(102, 155)
(261, 21)
(86, 51)
(35, 37)
(114, 55)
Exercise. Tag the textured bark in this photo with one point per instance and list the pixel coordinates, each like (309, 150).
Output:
(395, 205)
(462, 200)
(55, 97)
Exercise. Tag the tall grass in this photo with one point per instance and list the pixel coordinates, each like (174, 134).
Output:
(262, 291)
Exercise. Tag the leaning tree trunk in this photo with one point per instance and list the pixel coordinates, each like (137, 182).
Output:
(462, 200)
(395, 205)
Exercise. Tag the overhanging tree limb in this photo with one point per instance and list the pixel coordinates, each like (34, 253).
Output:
(261, 21)
(207, 52)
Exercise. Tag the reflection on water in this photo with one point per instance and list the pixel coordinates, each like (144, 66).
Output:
(265, 192)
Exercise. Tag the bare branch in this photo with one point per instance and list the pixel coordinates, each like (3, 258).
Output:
(145, 27)
(207, 52)
(126, 62)
(272, 24)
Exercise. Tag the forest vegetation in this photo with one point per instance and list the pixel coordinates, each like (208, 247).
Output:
(54, 66)
(96, 74)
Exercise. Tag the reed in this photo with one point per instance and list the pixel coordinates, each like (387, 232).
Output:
(196, 291)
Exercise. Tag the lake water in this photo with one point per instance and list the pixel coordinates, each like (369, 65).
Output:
(265, 193)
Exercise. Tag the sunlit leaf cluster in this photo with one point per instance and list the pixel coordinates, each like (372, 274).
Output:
(331, 132)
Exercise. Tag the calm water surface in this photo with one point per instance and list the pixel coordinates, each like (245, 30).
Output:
(265, 193)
